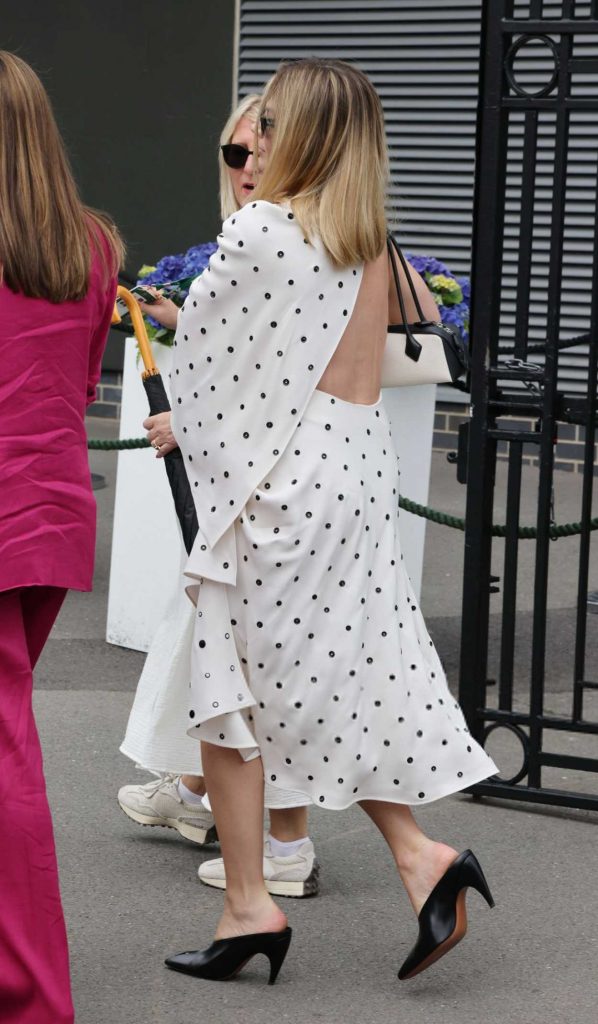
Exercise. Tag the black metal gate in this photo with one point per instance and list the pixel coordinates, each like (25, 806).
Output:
(520, 384)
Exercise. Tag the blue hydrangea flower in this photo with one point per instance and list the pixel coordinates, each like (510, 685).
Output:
(465, 288)
(429, 266)
(182, 269)
(181, 266)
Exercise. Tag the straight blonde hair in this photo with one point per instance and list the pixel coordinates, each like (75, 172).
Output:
(248, 107)
(46, 232)
(328, 156)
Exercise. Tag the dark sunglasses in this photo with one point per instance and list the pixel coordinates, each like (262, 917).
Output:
(235, 156)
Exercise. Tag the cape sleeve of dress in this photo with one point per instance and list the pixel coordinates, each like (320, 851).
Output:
(254, 336)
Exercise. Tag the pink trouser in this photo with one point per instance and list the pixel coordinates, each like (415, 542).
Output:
(34, 969)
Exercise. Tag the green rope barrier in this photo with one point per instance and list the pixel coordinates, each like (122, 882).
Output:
(432, 514)
(498, 530)
(117, 446)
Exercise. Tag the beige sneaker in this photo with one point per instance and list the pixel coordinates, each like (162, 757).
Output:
(158, 803)
(297, 875)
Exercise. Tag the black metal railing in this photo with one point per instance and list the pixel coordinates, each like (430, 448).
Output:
(511, 102)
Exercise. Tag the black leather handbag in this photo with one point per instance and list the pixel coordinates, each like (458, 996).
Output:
(424, 352)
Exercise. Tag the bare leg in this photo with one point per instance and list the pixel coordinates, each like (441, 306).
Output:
(288, 823)
(196, 783)
(421, 861)
(236, 789)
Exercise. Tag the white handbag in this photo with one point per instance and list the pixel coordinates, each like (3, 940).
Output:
(424, 352)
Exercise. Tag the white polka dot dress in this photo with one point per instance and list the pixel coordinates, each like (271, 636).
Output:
(309, 647)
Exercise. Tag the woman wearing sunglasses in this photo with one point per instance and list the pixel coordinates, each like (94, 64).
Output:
(237, 182)
(155, 737)
(311, 664)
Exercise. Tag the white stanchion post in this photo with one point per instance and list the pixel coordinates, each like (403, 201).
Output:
(146, 543)
(411, 411)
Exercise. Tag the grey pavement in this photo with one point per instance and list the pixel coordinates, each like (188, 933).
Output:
(131, 894)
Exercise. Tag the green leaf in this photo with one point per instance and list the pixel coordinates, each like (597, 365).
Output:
(145, 270)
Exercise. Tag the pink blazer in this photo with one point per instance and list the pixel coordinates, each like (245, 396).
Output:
(50, 361)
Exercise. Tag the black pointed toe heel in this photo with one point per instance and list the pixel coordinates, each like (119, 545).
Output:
(226, 957)
(443, 917)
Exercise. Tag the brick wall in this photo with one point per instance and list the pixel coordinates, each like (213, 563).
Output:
(108, 396)
(569, 449)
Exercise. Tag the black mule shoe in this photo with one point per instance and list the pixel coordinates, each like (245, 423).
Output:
(443, 917)
(226, 957)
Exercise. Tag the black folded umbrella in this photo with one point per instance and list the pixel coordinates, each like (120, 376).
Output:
(158, 402)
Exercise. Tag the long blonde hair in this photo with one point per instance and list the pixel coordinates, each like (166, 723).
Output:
(248, 107)
(46, 232)
(328, 155)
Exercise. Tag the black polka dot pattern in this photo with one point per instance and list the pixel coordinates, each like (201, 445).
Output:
(309, 646)
(229, 335)
(352, 702)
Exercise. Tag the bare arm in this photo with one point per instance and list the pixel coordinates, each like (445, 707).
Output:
(426, 301)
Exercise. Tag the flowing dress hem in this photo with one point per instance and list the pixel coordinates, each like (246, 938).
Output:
(450, 789)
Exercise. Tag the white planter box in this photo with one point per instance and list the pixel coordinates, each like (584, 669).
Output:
(146, 544)
(411, 411)
(147, 551)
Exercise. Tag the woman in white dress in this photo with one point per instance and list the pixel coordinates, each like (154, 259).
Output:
(156, 730)
(311, 664)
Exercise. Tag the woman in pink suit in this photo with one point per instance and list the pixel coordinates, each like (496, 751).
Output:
(58, 266)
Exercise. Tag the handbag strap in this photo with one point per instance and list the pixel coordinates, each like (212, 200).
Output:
(393, 247)
(412, 346)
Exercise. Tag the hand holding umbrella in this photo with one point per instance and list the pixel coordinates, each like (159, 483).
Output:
(158, 403)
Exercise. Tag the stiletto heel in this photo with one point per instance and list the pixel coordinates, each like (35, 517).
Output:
(473, 877)
(443, 917)
(226, 957)
(276, 954)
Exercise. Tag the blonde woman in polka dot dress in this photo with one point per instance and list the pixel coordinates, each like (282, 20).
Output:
(311, 664)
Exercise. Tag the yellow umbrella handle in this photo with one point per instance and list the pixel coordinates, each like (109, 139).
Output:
(139, 329)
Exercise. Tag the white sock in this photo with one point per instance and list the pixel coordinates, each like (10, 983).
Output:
(188, 795)
(285, 849)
